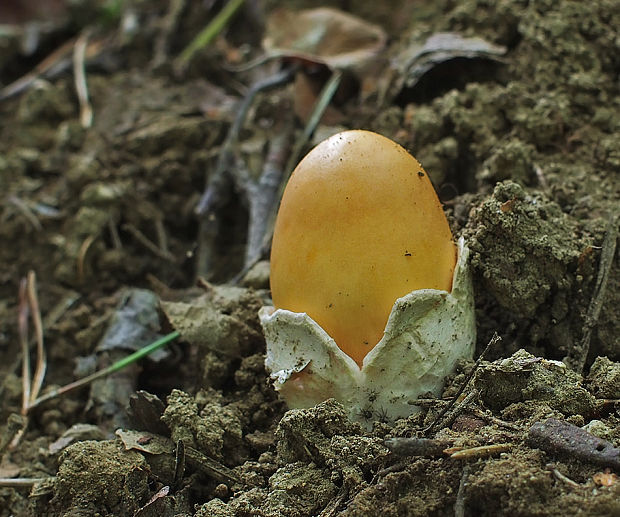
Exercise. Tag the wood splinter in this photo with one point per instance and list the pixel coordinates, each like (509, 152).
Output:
(557, 437)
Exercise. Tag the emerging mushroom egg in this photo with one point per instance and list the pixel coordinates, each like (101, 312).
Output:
(373, 302)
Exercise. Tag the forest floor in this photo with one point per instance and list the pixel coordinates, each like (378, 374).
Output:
(135, 200)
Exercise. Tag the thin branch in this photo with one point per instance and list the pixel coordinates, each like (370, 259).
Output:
(218, 179)
(483, 451)
(218, 186)
(325, 97)
(29, 306)
(210, 467)
(162, 237)
(459, 505)
(608, 252)
(22, 482)
(169, 27)
(55, 59)
(114, 236)
(448, 418)
(494, 420)
(35, 313)
(26, 211)
(22, 323)
(323, 101)
(334, 505)
(262, 195)
(147, 243)
(81, 86)
(54, 64)
(81, 257)
(416, 446)
(12, 431)
(494, 340)
(561, 477)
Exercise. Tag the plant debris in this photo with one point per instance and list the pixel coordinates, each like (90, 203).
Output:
(557, 437)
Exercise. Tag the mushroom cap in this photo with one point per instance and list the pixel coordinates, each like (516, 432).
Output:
(359, 226)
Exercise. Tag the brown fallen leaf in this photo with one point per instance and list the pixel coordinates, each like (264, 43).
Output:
(417, 58)
(324, 36)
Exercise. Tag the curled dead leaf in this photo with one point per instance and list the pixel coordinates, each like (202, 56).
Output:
(324, 35)
(416, 59)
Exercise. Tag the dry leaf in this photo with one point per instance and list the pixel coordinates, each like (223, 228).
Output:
(416, 60)
(145, 442)
(324, 35)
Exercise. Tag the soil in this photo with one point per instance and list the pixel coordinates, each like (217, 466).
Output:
(523, 150)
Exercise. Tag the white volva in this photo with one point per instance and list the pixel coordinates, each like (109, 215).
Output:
(427, 332)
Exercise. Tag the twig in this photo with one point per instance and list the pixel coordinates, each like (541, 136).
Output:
(558, 437)
(262, 194)
(55, 59)
(218, 180)
(561, 477)
(54, 64)
(179, 464)
(209, 32)
(25, 210)
(459, 505)
(114, 236)
(494, 340)
(325, 97)
(15, 425)
(29, 307)
(81, 86)
(260, 60)
(484, 451)
(169, 27)
(428, 403)
(118, 365)
(333, 506)
(494, 420)
(209, 466)
(51, 319)
(448, 418)
(81, 257)
(162, 237)
(414, 446)
(218, 186)
(397, 467)
(147, 243)
(540, 176)
(22, 324)
(35, 313)
(580, 352)
(22, 482)
(263, 208)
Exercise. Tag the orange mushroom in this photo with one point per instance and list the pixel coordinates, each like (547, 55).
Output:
(359, 226)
